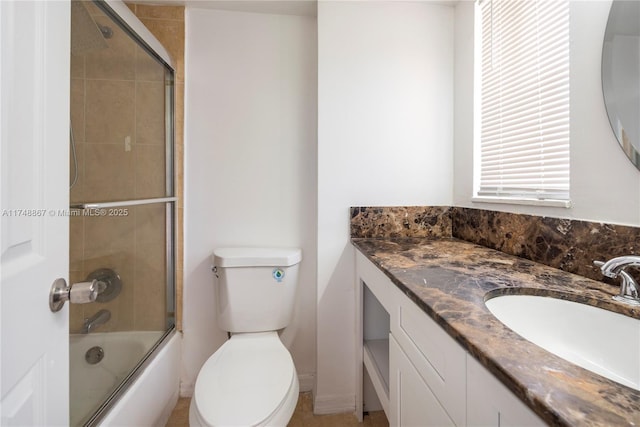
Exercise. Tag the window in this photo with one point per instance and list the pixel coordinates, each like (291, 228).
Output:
(523, 60)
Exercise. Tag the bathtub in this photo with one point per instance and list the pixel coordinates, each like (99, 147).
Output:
(152, 391)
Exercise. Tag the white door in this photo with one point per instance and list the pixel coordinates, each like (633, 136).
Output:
(34, 194)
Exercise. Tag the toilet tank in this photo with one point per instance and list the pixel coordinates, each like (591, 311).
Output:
(255, 287)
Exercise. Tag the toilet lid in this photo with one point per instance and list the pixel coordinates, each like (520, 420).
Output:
(245, 381)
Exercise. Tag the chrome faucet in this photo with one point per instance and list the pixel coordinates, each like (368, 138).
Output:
(629, 288)
(100, 318)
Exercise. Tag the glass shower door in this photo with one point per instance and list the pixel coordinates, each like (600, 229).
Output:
(122, 205)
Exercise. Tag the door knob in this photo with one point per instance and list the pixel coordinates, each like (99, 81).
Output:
(78, 293)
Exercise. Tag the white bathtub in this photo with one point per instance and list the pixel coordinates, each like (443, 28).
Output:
(148, 401)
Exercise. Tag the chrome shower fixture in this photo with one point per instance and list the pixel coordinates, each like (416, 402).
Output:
(87, 35)
(106, 31)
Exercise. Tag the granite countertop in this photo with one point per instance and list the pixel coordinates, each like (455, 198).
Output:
(450, 280)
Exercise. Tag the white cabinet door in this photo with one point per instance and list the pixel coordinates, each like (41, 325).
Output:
(438, 359)
(34, 193)
(490, 403)
(412, 402)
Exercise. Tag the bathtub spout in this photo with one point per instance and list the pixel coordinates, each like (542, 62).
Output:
(100, 318)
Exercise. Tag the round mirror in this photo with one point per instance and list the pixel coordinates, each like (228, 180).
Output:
(621, 75)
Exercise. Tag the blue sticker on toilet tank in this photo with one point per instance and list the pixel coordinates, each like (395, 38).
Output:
(278, 274)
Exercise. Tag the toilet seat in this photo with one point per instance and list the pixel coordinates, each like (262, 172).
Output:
(246, 383)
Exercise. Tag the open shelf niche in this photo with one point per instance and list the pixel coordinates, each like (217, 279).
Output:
(375, 331)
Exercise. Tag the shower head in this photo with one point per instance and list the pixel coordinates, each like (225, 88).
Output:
(106, 31)
(86, 35)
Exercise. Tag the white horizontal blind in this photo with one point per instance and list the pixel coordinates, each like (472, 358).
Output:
(524, 131)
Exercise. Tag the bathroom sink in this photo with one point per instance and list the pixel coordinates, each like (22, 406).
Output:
(601, 341)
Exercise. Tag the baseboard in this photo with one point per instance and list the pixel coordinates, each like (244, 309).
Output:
(307, 381)
(334, 404)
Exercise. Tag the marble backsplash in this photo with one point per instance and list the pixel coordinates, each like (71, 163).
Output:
(566, 244)
(401, 221)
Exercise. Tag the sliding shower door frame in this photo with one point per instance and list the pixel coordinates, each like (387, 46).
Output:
(169, 200)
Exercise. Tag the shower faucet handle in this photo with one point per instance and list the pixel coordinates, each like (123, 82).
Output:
(84, 292)
(78, 293)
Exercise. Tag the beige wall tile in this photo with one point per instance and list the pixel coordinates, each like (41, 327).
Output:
(179, 91)
(76, 193)
(108, 235)
(160, 12)
(147, 67)
(150, 113)
(110, 109)
(150, 171)
(76, 244)
(179, 142)
(151, 224)
(92, 8)
(118, 61)
(77, 66)
(109, 243)
(77, 128)
(180, 241)
(77, 109)
(160, 21)
(171, 35)
(150, 292)
(179, 175)
(134, 245)
(109, 172)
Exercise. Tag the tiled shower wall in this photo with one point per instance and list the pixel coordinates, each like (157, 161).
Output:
(117, 112)
(167, 24)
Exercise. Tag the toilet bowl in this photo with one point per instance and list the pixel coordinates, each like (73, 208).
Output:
(250, 381)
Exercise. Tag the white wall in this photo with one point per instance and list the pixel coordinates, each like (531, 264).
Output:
(605, 186)
(385, 129)
(250, 163)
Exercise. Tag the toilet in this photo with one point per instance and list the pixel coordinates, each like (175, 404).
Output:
(251, 379)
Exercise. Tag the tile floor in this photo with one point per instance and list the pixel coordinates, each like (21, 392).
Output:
(302, 417)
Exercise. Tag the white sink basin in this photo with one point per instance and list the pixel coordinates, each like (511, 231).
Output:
(598, 340)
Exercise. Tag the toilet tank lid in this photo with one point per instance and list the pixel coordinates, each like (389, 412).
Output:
(256, 257)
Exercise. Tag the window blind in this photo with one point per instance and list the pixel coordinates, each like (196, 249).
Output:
(524, 131)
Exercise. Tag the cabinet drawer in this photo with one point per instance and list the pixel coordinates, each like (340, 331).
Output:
(414, 404)
(439, 360)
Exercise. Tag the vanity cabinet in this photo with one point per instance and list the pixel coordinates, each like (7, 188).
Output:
(490, 403)
(422, 376)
